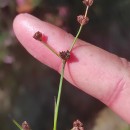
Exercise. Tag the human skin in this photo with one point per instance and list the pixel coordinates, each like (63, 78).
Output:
(95, 71)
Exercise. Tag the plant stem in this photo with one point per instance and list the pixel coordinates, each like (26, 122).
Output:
(16, 123)
(59, 95)
(49, 47)
(77, 35)
(56, 110)
(86, 12)
(74, 41)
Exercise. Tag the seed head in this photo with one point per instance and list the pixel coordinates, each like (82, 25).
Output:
(77, 125)
(88, 2)
(25, 126)
(82, 19)
(40, 37)
(65, 55)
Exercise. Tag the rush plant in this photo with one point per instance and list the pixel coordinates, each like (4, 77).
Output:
(64, 56)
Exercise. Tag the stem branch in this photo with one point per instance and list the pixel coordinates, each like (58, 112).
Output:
(56, 110)
(75, 39)
(77, 35)
(51, 49)
(59, 95)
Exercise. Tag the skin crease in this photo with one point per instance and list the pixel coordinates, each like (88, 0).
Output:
(91, 69)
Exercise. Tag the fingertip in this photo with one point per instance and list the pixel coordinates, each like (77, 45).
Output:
(18, 20)
(25, 26)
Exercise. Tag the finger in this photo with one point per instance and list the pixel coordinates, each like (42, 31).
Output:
(91, 69)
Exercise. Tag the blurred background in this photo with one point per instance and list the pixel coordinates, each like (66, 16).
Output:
(28, 88)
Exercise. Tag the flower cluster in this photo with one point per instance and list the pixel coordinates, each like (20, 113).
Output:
(40, 37)
(83, 19)
(77, 125)
(88, 2)
(65, 55)
(25, 126)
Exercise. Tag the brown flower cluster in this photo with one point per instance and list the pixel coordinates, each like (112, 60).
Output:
(88, 2)
(77, 125)
(65, 55)
(83, 19)
(25, 126)
(38, 36)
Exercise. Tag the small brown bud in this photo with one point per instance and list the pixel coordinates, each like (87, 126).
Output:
(65, 55)
(38, 36)
(88, 2)
(82, 19)
(25, 126)
(77, 125)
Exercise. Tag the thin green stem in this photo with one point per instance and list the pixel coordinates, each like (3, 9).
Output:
(77, 35)
(16, 123)
(56, 109)
(59, 95)
(51, 49)
(86, 12)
